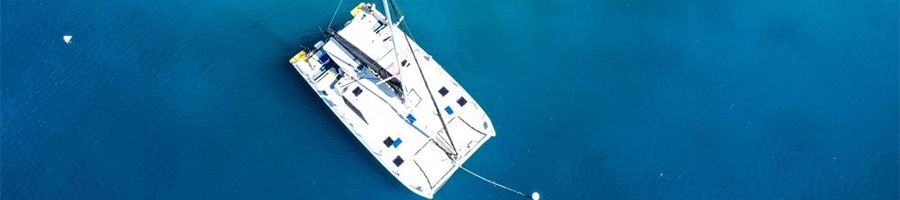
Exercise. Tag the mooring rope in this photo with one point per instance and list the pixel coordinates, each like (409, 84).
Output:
(495, 183)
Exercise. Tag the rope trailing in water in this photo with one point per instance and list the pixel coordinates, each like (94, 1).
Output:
(494, 183)
(335, 13)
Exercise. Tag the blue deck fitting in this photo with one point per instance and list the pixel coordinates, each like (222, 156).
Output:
(397, 142)
(449, 110)
(410, 118)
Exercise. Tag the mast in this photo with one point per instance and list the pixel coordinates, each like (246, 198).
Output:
(394, 43)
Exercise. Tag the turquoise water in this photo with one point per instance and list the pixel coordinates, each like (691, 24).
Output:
(593, 99)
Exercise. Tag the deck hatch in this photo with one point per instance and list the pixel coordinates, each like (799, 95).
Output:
(357, 91)
(388, 142)
(461, 101)
(398, 161)
(443, 91)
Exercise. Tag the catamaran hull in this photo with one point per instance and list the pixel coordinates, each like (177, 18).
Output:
(394, 116)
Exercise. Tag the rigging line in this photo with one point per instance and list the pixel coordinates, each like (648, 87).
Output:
(335, 13)
(492, 182)
(416, 59)
(534, 195)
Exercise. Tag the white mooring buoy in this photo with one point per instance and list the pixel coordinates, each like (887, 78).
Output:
(67, 39)
(535, 196)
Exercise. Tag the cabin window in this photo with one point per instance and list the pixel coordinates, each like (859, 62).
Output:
(357, 91)
(461, 101)
(443, 91)
(398, 161)
(388, 142)
(353, 108)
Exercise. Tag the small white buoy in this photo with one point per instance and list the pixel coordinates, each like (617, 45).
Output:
(67, 39)
(535, 196)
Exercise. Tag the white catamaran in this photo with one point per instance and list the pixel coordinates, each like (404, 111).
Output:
(414, 118)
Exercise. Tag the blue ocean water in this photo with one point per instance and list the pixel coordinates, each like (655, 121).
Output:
(592, 99)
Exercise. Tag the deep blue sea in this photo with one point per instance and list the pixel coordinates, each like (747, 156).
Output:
(591, 99)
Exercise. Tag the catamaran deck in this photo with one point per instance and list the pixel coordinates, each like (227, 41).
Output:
(380, 95)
